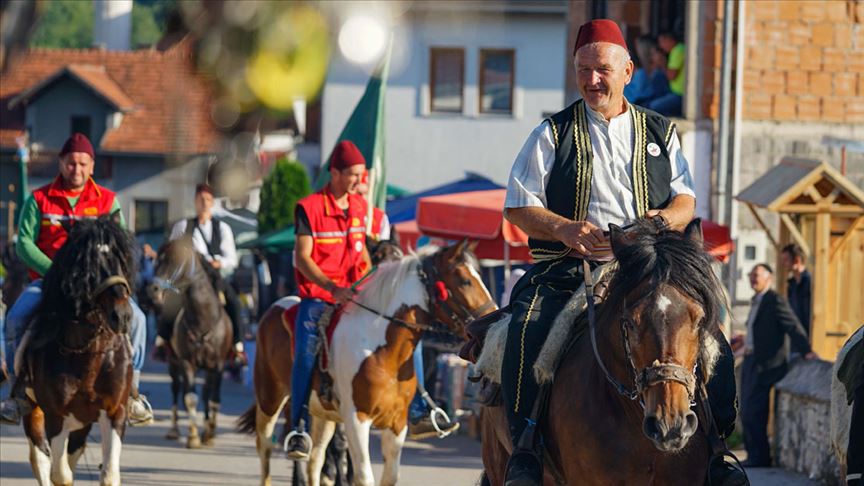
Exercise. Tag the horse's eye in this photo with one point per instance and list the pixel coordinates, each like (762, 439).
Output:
(630, 323)
(465, 282)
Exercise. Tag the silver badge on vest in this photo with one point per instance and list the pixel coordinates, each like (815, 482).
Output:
(653, 149)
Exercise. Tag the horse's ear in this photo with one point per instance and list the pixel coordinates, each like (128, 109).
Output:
(618, 238)
(117, 217)
(693, 231)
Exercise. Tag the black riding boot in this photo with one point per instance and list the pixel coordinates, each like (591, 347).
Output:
(723, 401)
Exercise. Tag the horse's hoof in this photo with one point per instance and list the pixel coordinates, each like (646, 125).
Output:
(193, 443)
(172, 434)
(209, 441)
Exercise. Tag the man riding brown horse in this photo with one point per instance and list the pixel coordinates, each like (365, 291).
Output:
(601, 160)
(42, 231)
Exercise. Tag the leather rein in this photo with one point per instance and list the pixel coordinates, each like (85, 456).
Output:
(456, 312)
(649, 376)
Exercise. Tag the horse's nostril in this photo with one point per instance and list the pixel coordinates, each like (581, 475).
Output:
(652, 427)
(691, 422)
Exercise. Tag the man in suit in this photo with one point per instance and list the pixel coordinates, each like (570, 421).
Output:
(771, 325)
(798, 287)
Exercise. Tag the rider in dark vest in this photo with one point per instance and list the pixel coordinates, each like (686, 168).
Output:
(600, 161)
(215, 241)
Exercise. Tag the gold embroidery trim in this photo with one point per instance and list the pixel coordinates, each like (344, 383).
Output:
(554, 131)
(522, 335)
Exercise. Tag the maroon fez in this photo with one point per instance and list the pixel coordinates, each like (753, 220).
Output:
(346, 155)
(77, 143)
(203, 188)
(599, 30)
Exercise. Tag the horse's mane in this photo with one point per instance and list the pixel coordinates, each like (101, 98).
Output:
(668, 257)
(385, 283)
(94, 250)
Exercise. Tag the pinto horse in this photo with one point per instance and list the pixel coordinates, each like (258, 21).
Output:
(76, 362)
(621, 412)
(369, 357)
(201, 337)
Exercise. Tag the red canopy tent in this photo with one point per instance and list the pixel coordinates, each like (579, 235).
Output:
(479, 216)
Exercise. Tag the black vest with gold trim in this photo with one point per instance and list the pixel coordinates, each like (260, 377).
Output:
(569, 188)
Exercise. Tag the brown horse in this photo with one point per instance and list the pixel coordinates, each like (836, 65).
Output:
(622, 413)
(370, 358)
(76, 361)
(201, 339)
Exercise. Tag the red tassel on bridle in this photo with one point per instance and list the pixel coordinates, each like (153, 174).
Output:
(443, 293)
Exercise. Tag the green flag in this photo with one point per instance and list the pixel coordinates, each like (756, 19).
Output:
(365, 128)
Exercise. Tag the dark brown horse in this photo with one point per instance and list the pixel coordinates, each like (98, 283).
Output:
(370, 357)
(635, 424)
(201, 339)
(76, 361)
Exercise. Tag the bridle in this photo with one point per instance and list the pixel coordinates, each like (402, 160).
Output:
(171, 283)
(101, 327)
(437, 293)
(649, 376)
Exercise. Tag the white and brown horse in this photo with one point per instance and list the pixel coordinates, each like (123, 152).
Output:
(370, 357)
(75, 362)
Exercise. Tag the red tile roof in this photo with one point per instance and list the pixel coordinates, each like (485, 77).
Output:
(169, 99)
(92, 76)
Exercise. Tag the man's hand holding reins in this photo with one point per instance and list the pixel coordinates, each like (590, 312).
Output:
(340, 294)
(587, 239)
(537, 222)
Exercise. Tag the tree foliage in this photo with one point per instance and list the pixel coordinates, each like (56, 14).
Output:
(286, 184)
(69, 23)
(65, 24)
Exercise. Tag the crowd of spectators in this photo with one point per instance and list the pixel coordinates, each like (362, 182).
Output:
(658, 81)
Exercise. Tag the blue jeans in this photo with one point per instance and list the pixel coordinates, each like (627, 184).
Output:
(418, 408)
(305, 346)
(23, 308)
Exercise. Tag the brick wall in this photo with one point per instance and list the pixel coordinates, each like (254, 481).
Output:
(805, 61)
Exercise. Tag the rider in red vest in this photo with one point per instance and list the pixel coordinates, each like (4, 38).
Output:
(329, 256)
(73, 195)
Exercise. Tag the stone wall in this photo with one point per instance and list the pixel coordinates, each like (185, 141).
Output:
(802, 422)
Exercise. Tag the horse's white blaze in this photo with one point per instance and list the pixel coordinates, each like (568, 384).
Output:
(41, 464)
(476, 275)
(663, 303)
(111, 445)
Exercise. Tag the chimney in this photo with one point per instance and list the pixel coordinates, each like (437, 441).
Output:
(112, 26)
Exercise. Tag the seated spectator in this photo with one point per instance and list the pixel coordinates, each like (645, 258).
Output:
(670, 103)
(649, 79)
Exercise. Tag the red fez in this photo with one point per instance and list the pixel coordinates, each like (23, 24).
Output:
(203, 188)
(599, 30)
(346, 155)
(77, 143)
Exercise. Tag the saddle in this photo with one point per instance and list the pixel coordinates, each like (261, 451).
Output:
(289, 321)
(487, 337)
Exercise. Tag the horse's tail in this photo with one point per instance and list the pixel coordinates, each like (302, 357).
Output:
(246, 422)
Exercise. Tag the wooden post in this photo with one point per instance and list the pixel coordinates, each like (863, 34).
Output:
(821, 298)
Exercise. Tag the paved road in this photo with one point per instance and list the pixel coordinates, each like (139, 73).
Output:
(150, 460)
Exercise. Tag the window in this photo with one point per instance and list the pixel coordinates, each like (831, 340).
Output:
(151, 216)
(80, 124)
(446, 79)
(496, 80)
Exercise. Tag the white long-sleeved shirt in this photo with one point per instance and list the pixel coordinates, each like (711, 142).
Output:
(612, 199)
(228, 258)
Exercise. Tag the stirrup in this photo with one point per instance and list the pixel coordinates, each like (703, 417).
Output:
(438, 412)
(306, 437)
